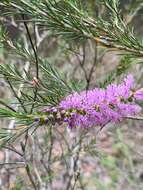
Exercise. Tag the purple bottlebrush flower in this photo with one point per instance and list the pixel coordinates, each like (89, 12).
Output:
(100, 106)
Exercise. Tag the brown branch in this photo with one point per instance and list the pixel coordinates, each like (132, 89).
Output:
(135, 117)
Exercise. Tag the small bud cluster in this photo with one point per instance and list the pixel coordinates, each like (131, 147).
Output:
(98, 106)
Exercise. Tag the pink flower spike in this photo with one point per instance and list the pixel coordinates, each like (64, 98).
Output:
(98, 107)
(101, 106)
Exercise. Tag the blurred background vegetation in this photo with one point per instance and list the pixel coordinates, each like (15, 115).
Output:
(53, 157)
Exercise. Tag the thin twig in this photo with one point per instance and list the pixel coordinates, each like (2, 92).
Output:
(74, 164)
(13, 150)
(30, 177)
(32, 45)
(12, 163)
(92, 68)
(50, 156)
(7, 106)
(135, 117)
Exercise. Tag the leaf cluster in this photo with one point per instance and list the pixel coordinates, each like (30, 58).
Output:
(68, 19)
